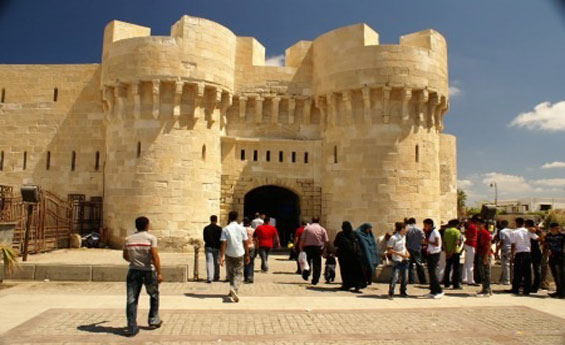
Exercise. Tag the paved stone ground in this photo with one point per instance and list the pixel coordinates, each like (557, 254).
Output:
(279, 308)
(482, 325)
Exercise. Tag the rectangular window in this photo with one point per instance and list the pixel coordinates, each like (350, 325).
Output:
(55, 94)
(293, 157)
(305, 157)
(25, 161)
(3, 96)
(48, 161)
(268, 156)
(281, 156)
(242, 155)
(1, 160)
(255, 155)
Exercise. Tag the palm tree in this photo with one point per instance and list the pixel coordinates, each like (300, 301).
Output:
(9, 259)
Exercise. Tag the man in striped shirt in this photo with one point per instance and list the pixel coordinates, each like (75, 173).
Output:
(144, 269)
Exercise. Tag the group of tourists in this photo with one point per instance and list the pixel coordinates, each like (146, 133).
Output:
(522, 250)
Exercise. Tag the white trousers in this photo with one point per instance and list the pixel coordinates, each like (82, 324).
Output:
(468, 265)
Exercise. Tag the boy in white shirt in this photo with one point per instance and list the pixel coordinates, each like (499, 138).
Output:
(434, 251)
(396, 247)
(521, 247)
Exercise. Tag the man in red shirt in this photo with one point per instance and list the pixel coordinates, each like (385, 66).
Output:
(470, 245)
(266, 236)
(296, 242)
(483, 253)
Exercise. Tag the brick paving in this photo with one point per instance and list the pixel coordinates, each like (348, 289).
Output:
(479, 325)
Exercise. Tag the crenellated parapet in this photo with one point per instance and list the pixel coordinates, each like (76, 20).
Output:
(343, 77)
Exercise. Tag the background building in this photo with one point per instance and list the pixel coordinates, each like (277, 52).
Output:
(184, 126)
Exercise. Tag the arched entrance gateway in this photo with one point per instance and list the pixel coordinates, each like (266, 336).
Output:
(276, 202)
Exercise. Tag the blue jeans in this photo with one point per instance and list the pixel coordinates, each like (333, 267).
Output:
(135, 280)
(264, 255)
(248, 269)
(399, 268)
(212, 263)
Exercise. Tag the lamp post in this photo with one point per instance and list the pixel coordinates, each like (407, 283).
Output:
(493, 185)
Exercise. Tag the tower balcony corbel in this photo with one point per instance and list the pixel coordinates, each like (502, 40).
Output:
(406, 97)
(422, 100)
(179, 86)
(155, 92)
(275, 104)
(346, 97)
(119, 101)
(136, 97)
(242, 101)
(386, 101)
(366, 92)
(227, 101)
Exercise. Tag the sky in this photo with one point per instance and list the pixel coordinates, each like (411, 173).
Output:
(506, 64)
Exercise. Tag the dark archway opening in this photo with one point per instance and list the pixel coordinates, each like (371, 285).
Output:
(275, 202)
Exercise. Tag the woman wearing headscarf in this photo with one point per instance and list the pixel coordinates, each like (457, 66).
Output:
(370, 256)
(348, 252)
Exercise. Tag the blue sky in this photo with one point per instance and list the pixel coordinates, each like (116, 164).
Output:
(507, 64)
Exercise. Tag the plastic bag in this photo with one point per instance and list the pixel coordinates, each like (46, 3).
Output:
(303, 262)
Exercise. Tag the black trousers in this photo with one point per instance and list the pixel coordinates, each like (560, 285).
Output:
(433, 260)
(416, 259)
(536, 268)
(522, 272)
(452, 264)
(557, 266)
(314, 255)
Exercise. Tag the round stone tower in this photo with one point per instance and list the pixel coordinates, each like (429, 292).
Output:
(382, 143)
(163, 99)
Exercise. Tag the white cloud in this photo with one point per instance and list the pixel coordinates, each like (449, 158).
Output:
(507, 183)
(464, 183)
(277, 60)
(550, 182)
(553, 165)
(454, 91)
(545, 117)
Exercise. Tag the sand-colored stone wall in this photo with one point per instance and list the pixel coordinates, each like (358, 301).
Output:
(34, 124)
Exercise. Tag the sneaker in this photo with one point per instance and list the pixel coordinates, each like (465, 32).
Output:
(428, 295)
(209, 281)
(233, 295)
(156, 325)
(404, 295)
(129, 333)
(438, 295)
(390, 296)
(483, 293)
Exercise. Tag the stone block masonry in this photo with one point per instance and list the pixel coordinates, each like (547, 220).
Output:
(181, 127)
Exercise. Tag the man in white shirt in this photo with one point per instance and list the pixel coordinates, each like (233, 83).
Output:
(503, 250)
(396, 247)
(258, 220)
(434, 251)
(521, 247)
(235, 247)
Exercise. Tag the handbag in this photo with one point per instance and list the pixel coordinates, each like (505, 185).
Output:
(303, 261)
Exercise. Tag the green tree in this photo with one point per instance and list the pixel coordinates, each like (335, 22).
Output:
(461, 198)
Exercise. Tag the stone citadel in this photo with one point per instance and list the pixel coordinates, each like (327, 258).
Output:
(184, 126)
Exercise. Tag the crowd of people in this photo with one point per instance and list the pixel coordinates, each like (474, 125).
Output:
(523, 251)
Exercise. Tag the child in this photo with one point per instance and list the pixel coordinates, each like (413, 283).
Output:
(329, 272)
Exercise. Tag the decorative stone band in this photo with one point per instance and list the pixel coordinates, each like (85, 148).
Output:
(376, 104)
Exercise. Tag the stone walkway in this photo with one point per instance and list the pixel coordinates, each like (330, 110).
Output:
(279, 308)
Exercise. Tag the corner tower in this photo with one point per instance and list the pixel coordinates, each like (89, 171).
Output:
(163, 100)
(383, 107)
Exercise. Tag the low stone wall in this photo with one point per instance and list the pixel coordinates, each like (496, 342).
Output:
(100, 273)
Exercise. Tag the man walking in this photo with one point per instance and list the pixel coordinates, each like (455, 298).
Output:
(234, 251)
(521, 246)
(266, 236)
(452, 244)
(555, 242)
(144, 269)
(414, 238)
(313, 241)
(470, 244)
(396, 247)
(504, 246)
(258, 220)
(212, 234)
(484, 245)
(433, 250)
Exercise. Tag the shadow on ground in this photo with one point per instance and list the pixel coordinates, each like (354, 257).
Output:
(96, 328)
